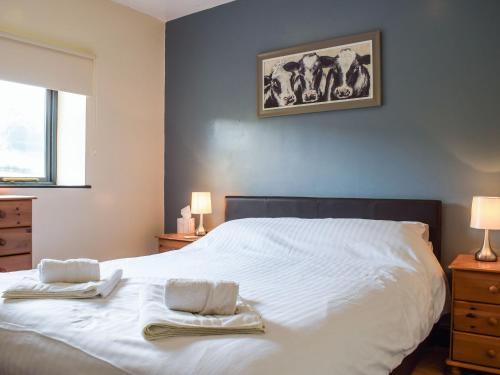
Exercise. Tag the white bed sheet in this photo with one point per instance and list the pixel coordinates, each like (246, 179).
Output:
(338, 297)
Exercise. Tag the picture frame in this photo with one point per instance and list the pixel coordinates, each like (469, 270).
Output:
(334, 74)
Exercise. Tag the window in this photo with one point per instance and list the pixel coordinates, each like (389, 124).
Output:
(28, 117)
(71, 134)
(45, 95)
(42, 136)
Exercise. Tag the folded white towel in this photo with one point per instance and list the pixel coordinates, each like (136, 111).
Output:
(158, 321)
(68, 271)
(202, 296)
(29, 287)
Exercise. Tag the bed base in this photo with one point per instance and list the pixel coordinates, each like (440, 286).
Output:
(410, 362)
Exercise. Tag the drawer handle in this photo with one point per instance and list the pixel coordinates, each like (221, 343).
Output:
(493, 321)
(491, 353)
(470, 315)
(493, 289)
(3, 242)
(2, 214)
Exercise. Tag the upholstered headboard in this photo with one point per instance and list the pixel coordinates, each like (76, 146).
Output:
(425, 211)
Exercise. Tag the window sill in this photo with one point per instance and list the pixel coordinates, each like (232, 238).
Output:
(42, 186)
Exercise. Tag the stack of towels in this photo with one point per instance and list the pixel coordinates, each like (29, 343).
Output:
(181, 307)
(186, 307)
(73, 278)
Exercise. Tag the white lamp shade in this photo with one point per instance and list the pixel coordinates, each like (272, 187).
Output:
(485, 213)
(201, 203)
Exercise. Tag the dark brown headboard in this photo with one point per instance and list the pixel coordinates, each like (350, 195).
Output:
(425, 211)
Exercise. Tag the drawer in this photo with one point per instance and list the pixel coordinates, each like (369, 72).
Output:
(477, 286)
(15, 241)
(15, 214)
(168, 245)
(15, 263)
(476, 349)
(476, 318)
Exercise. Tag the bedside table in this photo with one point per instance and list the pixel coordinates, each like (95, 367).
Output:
(173, 241)
(475, 333)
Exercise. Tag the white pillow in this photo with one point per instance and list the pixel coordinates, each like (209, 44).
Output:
(422, 228)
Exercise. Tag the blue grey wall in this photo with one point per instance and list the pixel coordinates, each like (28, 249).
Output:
(436, 136)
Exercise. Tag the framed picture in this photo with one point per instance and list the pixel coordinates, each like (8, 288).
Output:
(339, 73)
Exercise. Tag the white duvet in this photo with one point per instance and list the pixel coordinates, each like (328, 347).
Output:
(338, 297)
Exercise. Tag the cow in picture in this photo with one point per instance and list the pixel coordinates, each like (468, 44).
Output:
(309, 80)
(348, 77)
(278, 91)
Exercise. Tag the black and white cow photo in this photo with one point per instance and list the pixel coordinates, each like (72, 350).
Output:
(337, 74)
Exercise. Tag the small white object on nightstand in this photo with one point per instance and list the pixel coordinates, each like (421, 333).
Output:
(185, 224)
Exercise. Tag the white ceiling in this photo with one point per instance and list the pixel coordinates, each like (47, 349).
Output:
(167, 10)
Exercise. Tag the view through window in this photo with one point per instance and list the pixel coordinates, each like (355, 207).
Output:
(24, 131)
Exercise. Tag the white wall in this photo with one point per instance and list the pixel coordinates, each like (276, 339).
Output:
(123, 211)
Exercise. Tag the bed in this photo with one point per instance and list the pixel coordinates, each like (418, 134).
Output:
(338, 296)
(425, 211)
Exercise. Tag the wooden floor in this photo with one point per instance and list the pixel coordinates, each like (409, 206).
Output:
(433, 363)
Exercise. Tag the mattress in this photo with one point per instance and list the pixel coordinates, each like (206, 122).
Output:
(338, 296)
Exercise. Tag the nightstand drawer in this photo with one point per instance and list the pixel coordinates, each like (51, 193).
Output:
(15, 241)
(169, 245)
(477, 349)
(15, 214)
(476, 318)
(15, 263)
(174, 241)
(477, 286)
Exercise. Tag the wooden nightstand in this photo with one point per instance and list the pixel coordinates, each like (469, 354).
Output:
(173, 241)
(475, 333)
(15, 232)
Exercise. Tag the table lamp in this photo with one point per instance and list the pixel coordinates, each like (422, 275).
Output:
(201, 203)
(485, 214)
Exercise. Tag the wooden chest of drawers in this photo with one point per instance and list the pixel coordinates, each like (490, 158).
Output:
(475, 334)
(15, 232)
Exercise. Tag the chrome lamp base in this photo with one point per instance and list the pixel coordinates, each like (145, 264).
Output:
(200, 231)
(486, 254)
